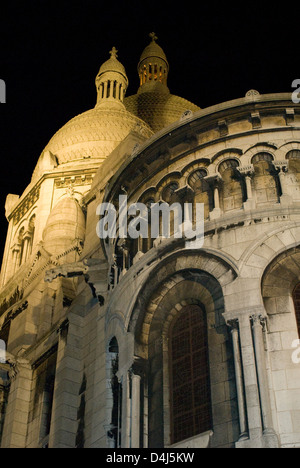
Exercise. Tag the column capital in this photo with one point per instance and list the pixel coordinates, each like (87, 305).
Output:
(233, 324)
(259, 320)
(281, 166)
(247, 171)
(214, 179)
(138, 367)
(94, 271)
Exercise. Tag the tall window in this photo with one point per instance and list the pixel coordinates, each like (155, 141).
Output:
(296, 298)
(202, 190)
(115, 396)
(43, 396)
(189, 375)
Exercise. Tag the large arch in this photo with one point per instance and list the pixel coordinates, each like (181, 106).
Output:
(160, 303)
(280, 280)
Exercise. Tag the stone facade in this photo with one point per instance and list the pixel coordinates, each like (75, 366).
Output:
(88, 323)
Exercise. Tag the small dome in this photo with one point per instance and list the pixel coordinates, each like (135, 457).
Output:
(112, 65)
(158, 109)
(153, 50)
(65, 224)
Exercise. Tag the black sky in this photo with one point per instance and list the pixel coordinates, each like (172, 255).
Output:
(51, 51)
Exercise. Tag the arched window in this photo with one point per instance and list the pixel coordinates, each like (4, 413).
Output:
(293, 174)
(170, 196)
(296, 299)
(232, 192)
(266, 183)
(189, 375)
(202, 190)
(115, 396)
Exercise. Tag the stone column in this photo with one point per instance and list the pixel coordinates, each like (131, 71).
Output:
(215, 182)
(282, 168)
(258, 322)
(131, 404)
(15, 257)
(250, 383)
(248, 172)
(239, 378)
(251, 377)
(135, 410)
(126, 410)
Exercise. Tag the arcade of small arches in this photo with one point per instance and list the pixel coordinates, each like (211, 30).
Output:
(228, 184)
(22, 247)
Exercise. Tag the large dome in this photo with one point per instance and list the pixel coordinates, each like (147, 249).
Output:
(94, 134)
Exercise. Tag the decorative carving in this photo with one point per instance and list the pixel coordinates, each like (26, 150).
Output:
(74, 181)
(281, 165)
(26, 204)
(186, 115)
(289, 116)
(255, 118)
(15, 297)
(252, 93)
(223, 127)
(246, 170)
(94, 271)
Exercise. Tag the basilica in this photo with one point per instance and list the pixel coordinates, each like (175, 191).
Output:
(145, 342)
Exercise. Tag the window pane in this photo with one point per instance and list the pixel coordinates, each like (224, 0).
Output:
(189, 375)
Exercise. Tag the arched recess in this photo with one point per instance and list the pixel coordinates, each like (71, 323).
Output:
(280, 286)
(293, 157)
(202, 191)
(233, 192)
(159, 306)
(266, 182)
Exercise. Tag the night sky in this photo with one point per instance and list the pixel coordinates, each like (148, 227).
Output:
(51, 51)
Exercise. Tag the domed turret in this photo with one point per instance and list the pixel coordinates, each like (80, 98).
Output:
(153, 102)
(65, 225)
(111, 81)
(153, 68)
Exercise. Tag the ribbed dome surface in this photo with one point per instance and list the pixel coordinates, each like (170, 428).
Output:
(94, 134)
(158, 109)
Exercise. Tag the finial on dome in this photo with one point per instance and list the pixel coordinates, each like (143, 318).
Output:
(114, 53)
(153, 36)
(111, 81)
